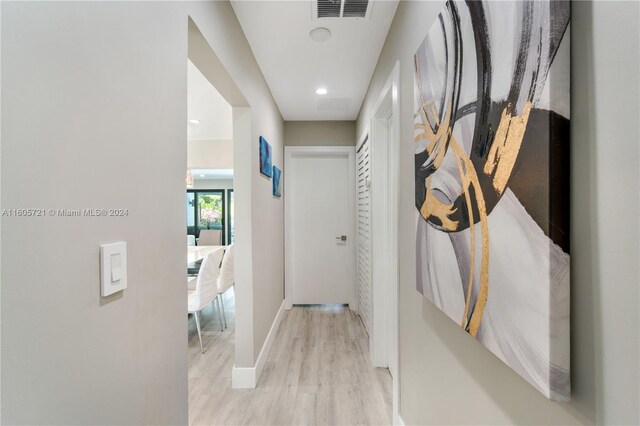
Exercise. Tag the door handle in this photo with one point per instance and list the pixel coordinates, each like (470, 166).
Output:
(342, 238)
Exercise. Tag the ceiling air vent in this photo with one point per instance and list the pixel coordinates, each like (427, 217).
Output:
(329, 8)
(341, 9)
(355, 8)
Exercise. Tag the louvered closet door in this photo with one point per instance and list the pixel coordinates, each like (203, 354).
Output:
(364, 237)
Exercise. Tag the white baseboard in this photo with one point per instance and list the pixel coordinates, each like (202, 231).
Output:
(243, 378)
(266, 347)
(247, 377)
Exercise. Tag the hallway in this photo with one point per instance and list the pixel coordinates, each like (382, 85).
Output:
(318, 372)
(465, 175)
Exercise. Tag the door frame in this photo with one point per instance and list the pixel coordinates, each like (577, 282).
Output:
(199, 51)
(290, 154)
(384, 134)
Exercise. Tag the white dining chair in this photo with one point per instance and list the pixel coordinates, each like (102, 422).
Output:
(206, 289)
(210, 237)
(191, 240)
(226, 278)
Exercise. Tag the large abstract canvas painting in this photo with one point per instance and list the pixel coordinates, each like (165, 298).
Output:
(491, 145)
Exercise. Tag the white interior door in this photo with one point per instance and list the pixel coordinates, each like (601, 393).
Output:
(319, 226)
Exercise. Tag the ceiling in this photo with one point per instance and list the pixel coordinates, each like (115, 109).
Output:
(206, 104)
(295, 66)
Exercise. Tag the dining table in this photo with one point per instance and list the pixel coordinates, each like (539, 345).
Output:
(197, 253)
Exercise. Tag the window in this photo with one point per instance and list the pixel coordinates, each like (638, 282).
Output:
(205, 210)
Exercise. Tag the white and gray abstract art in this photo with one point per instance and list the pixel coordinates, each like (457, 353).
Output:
(491, 116)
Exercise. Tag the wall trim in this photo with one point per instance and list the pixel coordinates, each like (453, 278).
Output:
(243, 377)
(399, 421)
(247, 377)
(385, 140)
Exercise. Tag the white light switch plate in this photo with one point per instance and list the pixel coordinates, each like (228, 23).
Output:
(113, 268)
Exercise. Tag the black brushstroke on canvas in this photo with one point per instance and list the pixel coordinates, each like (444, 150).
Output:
(423, 166)
(521, 61)
(457, 65)
(443, 95)
(483, 134)
(487, 118)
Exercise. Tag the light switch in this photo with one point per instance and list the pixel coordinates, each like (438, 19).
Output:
(116, 267)
(113, 266)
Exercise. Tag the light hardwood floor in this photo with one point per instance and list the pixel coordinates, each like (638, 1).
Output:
(318, 372)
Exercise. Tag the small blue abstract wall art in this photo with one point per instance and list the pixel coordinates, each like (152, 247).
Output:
(265, 157)
(276, 181)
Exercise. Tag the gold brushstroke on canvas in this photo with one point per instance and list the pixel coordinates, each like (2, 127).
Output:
(435, 141)
(436, 146)
(470, 178)
(434, 207)
(501, 160)
(506, 146)
(472, 253)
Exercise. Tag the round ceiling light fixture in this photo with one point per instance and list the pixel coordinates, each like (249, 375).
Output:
(321, 91)
(320, 34)
(194, 121)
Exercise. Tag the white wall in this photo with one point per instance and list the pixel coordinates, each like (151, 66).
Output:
(90, 92)
(446, 377)
(210, 154)
(213, 184)
(206, 104)
(219, 25)
(312, 133)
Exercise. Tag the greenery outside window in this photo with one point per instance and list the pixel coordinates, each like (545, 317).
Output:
(205, 210)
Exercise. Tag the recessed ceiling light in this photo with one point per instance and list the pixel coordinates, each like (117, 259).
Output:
(194, 121)
(320, 34)
(201, 175)
(321, 91)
